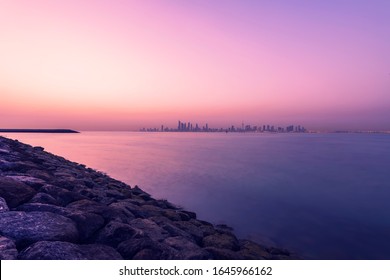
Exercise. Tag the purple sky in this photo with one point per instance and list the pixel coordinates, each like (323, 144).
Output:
(117, 65)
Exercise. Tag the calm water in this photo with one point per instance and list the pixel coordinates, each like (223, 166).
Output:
(325, 196)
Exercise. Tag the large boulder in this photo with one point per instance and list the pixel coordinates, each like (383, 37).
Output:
(186, 249)
(15, 192)
(57, 250)
(27, 228)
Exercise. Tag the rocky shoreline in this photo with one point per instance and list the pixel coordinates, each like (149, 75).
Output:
(52, 208)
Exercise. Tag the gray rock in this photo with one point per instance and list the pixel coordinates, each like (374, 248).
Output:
(57, 250)
(27, 228)
(15, 192)
(3, 205)
(7, 249)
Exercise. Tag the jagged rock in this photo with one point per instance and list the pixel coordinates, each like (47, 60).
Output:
(221, 240)
(15, 192)
(27, 228)
(7, 249)
(130, 206)
(40, 174)
(57, 250)
(196, 232)
(3, 205)
(114, 233)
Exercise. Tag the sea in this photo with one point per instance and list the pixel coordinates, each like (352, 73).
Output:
(322, 196)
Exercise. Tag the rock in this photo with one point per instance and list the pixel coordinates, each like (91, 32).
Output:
(149, 228)
(35, 183)
(222, 241)
(109, 213)
(3, 205)
(44, 198)
(144, 249)
(57, 250)
(7, 249)
(15, 192)
(253, 251)
(114, 233)
(64, 197)
(187, 250)
(87, 224)
(27, 228)
(195, 231)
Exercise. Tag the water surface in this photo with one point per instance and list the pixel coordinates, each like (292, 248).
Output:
(325, 196)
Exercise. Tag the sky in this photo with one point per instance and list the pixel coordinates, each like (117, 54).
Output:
(123, 65)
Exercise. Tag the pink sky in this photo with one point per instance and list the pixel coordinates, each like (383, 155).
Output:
(118, 65)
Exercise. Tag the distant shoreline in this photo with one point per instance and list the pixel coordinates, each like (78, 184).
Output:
(39, 131)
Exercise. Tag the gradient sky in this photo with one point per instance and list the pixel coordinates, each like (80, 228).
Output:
(118, 65)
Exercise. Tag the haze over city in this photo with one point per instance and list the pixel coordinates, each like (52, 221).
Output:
(123, 65)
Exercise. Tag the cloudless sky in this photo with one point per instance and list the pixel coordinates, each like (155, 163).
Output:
(118, 65)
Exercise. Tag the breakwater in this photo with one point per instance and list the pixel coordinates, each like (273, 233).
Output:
(51, 208)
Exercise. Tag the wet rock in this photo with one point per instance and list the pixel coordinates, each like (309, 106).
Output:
(57, 250)
(7, 249)
(15, 192)
(3, 205)
(27, 228)
(221, 240)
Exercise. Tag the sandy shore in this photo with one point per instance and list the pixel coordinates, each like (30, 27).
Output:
(51, 208)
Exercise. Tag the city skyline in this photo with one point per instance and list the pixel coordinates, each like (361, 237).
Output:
(123, 65)
(195, 127)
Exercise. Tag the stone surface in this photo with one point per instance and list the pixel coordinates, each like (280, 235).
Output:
(221, 240)
(57, 250)
(15, 192)
(27, 228)
(8, 249)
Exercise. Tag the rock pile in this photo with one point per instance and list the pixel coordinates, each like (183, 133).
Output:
(51, 208)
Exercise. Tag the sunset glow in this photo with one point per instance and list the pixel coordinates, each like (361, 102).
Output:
(119, 65)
